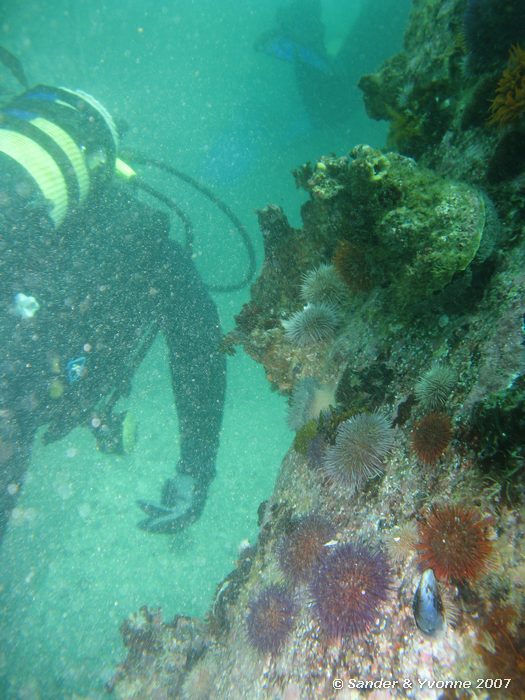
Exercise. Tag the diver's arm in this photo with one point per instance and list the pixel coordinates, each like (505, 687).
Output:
(191, 326)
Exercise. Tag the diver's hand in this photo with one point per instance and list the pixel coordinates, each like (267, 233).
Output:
(180, 506)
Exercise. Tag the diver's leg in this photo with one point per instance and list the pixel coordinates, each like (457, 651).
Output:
(15, 452)
(190, 323)
(193, 332)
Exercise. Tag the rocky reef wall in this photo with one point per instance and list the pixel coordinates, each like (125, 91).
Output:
(392, 549)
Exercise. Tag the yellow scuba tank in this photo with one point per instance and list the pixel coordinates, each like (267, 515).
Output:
(64, 140)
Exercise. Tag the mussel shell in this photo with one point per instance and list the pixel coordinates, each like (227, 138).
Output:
(428, 605)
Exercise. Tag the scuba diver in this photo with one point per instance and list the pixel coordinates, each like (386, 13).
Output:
(327, 73)
(297, 37)
(88, 277)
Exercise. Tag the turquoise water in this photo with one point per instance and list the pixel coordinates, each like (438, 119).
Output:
(187, 81)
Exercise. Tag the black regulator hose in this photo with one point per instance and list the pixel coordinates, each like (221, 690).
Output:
(188, 228)
(172, 206)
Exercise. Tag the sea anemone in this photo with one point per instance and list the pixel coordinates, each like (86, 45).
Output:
(361, 443)
(301, 549)
(348, 587)
(435, 387)
(401, 541)
(431, 436)
(509, 103)
(454, 543)
(270, 619)
(316, 323)
(309, 397)
(323, 285)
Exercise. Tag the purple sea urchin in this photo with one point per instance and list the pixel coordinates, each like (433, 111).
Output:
(302, 548)
(347, 589)
(316, 323)
(270, 619)
(361, 443)
(323, 285)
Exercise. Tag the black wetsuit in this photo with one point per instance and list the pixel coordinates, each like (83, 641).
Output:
(106, 281)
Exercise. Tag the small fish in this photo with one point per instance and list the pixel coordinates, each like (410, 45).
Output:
(12, 63)
(428, 605)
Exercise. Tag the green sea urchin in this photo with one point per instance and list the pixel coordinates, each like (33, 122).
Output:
(316, 323)
(323, 285)
(361, 443)
(435, 387)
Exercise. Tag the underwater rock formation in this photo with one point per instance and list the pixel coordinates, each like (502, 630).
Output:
(160, 654)
(432, 255)
(441, 92)
(405, 241)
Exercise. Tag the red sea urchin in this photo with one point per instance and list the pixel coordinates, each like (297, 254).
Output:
(347, 589)
(270, 619)
(453, 541)
(431, 436)
(302, 548)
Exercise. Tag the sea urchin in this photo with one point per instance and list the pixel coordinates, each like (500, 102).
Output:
(361, 443)
(454, 543)
(431, 436)
(435, 387)
(301, 549)
(323, 284)
(347, 589)
(270, 619)
(316, 323)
